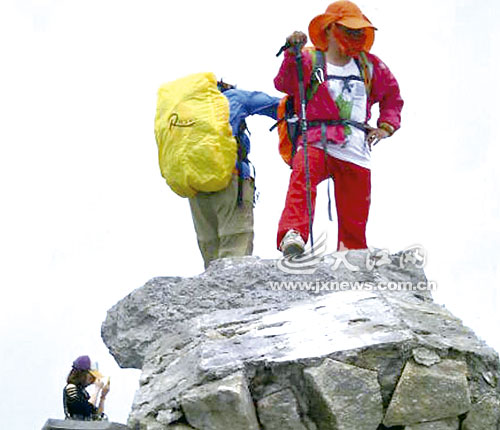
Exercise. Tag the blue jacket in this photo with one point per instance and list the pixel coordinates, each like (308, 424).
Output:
(242, 104)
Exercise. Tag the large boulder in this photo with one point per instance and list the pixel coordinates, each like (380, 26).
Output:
(340, 347)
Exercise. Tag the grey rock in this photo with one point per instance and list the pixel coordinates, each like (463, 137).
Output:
(344, 397)
(186, 333)
(148, 423)
(387, 360)
(55, 424)
(429, 393)
(484, 415)
(425, 356)
(169, 416)
(480, 365)
(280, 411)
(226, 341)
(447, 424)
(134, 322)
(231, 283)
(224, 404)
(152, 423)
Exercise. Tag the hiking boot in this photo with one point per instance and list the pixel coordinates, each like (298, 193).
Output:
(292, 244)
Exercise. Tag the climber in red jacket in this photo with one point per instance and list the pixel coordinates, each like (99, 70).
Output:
(340, 94)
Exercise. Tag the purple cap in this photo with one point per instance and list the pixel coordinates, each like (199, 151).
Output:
(82, 363)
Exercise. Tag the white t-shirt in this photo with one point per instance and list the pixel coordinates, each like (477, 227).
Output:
(351, 98)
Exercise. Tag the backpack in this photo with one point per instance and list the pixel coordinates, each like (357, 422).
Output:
(288, 123)
(196, 147)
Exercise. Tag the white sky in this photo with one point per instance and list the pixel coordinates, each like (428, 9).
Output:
(86, 216)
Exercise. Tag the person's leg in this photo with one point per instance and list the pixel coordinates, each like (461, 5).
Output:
(352, 198)
(295, 215)
(236, 245)
(236, 221)
(205, 224)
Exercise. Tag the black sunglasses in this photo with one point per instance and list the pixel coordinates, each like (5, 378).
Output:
(354, 32)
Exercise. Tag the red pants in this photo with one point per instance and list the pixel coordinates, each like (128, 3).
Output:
(352, 197)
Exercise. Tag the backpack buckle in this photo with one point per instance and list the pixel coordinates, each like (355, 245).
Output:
(320, 75)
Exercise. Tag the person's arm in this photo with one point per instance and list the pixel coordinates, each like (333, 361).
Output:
(259, 103)
(386, 92)
(100, 408)
(287, 80)
(104, 392)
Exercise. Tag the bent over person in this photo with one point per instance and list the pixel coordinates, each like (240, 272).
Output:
(78, 404)
(342, 81)
(203, 147)
(224, 220)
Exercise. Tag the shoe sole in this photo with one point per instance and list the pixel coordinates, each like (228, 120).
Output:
(292, 250)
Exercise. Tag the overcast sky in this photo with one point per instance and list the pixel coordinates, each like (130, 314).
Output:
(86, 216)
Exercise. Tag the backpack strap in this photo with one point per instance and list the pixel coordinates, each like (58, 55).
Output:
(239, 197)
(242, 155)
(318, 73)
(360, 125)
(345, 78)
(325, 156)
(366, 69)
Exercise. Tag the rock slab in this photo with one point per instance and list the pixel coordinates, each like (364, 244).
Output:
(221, 404)
(429, 393)
(344, 397)
(280, 411)
(268, 342)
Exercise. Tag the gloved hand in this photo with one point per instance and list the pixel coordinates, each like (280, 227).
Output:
(296, 40)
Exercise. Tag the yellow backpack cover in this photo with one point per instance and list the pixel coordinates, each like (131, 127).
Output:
(196, 147)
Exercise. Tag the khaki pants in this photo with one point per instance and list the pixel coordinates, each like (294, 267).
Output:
(223, 228)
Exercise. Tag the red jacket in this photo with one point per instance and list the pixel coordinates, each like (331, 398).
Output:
(384, 90)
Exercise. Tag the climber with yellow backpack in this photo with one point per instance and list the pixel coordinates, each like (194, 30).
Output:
(203, 146)
(331, 89)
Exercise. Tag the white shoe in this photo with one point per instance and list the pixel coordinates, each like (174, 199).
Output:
(292, 244)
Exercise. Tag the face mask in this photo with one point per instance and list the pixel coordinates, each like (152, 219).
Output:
(351, 42)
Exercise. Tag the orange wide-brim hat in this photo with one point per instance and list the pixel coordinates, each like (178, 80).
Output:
(341, 12)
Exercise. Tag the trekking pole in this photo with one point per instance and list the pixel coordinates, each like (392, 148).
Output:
(303, 123)
(283, 49)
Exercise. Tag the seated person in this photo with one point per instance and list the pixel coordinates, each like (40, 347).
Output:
(78, 404)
